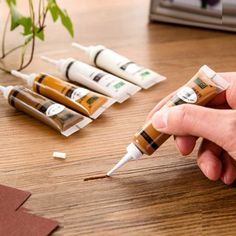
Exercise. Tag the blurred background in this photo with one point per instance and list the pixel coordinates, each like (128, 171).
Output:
(216, 14)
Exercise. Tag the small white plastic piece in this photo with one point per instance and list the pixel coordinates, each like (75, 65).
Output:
(60, 155)
(28, 78)
(133, 153)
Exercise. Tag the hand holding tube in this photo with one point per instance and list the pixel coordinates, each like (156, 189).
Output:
(216, 124)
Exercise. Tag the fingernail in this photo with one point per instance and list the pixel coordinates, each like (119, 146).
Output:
(160, 119)
(204, 168)
(225, 179)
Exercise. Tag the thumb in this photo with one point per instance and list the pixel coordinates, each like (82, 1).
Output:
(215, 125)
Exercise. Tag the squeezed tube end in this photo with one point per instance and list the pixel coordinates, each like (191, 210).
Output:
(208, 71)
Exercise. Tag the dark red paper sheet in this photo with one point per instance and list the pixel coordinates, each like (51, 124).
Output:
(18, 221)
(11, 198)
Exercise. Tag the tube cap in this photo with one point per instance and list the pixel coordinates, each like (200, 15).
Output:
(28, 78)
(6, 90)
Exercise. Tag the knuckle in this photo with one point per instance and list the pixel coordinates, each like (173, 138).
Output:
(179, 118)
(183, 113)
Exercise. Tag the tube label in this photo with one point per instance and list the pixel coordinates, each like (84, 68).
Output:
(109, 81)
(54, 109)
(131, 68)
(79, 93)
(187, 94)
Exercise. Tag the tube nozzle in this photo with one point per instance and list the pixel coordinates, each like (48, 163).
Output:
(47, 59)
(124, 160)
(20, 75)
(6, 90)
(133, 153)
(2, 89)
(83, 48)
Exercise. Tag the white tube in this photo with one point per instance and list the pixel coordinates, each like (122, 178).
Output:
(121, 66)
(94, 78)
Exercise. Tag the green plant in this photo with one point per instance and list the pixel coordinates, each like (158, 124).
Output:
(33, 26)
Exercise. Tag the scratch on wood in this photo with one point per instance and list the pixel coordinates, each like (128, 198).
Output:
(96, 177)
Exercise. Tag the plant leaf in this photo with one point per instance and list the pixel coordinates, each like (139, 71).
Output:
(18, 19)
(9, 2)
(28, 38)
(57, 12)
(66, 21)
(27, 23)
(54, 9)
(39, 33)
(15, 16)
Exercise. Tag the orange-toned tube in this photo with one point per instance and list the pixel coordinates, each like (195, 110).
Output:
(202, 88)
(199, 90)
(79, 99)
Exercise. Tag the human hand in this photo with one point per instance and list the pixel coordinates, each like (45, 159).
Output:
(216, 124)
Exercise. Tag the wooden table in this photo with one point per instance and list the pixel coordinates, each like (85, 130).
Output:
(161, 195)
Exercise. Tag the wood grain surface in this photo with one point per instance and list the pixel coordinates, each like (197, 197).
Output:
(161, 195)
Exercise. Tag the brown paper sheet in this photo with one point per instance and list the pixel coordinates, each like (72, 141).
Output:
(18, 221)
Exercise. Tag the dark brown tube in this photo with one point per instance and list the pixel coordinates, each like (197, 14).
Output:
(53, 114)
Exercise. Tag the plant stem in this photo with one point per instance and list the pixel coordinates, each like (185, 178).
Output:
(13, 49)
(22, 65)
(4, 36)
(5, 70)
(31, 55)
(44, 17)
(40, 12)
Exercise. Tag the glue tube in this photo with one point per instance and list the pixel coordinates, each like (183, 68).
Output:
(202, 88)
(118, 65)
(77, 98)
(95, 79)
(53, 114)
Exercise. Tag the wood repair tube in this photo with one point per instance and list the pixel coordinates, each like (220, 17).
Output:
(202, 88)
(121, 66)
(77, 98)
(95, 79)
(53, 114)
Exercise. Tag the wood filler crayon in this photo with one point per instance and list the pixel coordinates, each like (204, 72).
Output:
(78, 72)
(53, 114)
(202, 88)
(121, 66)
(77, 98)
